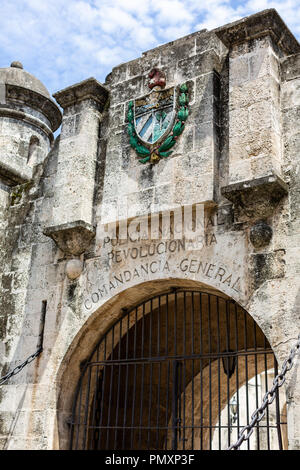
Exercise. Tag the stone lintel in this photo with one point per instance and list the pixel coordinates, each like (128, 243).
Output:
(88, 89)
(37, 101)
(266, 22)
(72, 238)
(258, 196)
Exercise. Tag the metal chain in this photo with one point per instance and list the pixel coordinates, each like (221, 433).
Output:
(268, 398)
(17, 369)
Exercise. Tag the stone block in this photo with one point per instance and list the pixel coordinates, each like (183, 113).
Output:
(238, 71)
(199, 64)
(139, 203)
(291, 93)
(260, 115)
(238, 122)
(254, 91)
(264, 63)
(207, 85)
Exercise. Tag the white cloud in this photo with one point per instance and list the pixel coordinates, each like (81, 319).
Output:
(65, 42)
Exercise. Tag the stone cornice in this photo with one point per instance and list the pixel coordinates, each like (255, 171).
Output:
(37, 101)
(266, 22)
(88, 89)
(22, 116)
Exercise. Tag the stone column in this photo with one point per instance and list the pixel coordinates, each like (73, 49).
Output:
(256, 45)
(72, 221)
(290, 104)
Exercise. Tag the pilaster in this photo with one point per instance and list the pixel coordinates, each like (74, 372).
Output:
(72, 220)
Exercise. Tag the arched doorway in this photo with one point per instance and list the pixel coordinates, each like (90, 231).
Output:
(168, 370)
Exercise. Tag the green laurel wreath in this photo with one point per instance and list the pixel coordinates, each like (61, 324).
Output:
(164, 149)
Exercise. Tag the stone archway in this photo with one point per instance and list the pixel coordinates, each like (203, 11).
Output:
(216, 311)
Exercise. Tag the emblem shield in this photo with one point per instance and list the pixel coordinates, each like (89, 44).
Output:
(154, 115)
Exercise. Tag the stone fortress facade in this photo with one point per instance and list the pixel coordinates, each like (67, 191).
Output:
(228, 144)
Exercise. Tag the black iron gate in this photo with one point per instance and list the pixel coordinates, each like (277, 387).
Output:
(182, 370)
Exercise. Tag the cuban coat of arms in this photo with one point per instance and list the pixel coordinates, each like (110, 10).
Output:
(154, 121)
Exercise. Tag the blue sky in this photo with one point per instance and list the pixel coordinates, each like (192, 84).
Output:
(64, 42)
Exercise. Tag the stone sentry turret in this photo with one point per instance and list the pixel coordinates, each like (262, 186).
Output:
(28, 118)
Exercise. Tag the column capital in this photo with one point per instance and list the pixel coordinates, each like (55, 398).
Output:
(87, 89)
(264, 23)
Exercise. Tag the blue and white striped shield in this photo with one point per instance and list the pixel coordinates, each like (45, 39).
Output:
(154, 115)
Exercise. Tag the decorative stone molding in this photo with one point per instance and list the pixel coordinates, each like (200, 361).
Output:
(87, 89)
(36, 101)
(258, 197)
(20, 115)
(72, 238)
(260, 234)
(74, 268)
(264, 23)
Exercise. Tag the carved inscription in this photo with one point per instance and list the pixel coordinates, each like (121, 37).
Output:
(203, 269)
(119, 254)
(135, 260)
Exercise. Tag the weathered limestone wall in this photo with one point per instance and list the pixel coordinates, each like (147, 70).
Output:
(254, 101)
(130, 188)
(290, 108)
(242, 125)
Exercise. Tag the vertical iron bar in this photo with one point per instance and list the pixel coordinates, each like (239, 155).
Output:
(183, 407)
(175, 324)
(150, 405)
(266, 387)
(184, 367)
(110, 387)
(158, 405)
(126, 383)
(79, 414)
(159, 373)
(86, 415)
(193, 371)
(102, 395)
(151, 376)
(96, 392)
(237, 369)
(168, 374)
(119, 383)
(134, 385)
(227, 375)
(167, 406)
(209, 368)
(256, 382)
(246, 371)
(158, 327)
(219, 375)
(143, 373)
(179, 394)
(167, 325)
(277, 409)
(201, 373)
(101, 412)
(174, 405)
